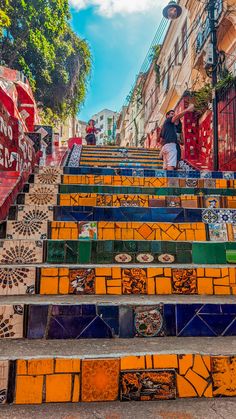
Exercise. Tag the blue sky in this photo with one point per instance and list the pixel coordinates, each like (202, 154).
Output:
(119, 35)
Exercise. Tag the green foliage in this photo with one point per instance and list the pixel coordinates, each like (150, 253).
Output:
(202, 98)
(40, 42)
(225, 81)
(156, 49)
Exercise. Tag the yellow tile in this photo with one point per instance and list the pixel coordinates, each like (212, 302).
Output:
(213, 273)
(209, 391)
(222, 290)
(132, 363)
(200, 235)
(114, 282)
(151, 272)
(58, 388)
(114, 291)
(64, 285)
(21, 367)
(205, 286)
(76, 389)
(29, 390)
(116, 273)
(149, 362)
(40, 366)
(165, 361)
(185, 362)
(163, 286)
(184, 388)
(100, 286)
(198, 382)
(103, 271)
(221, 281)
(200, 272)
(67, 365)
(167, 271)
(49, 285)
(199, 366)
(151, 286)
(49, 272)
(232, 275)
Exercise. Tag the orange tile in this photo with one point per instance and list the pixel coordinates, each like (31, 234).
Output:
(100, 286)
(165, 361)
(163, 286)
(76, 389)
(114, 291)
(205, 286)
(103, 271)
(222, 290)
(100, 380)
(132, 363)
(67, 365)
(184, 388)
(149, 362)
(213, 273)
(58, 388)
(200, 367)
(49, 285)
(29, 390)
(185, 362)
(40, 366)
(49, 272)
(198, 382)
(21, 367)
(151, 289)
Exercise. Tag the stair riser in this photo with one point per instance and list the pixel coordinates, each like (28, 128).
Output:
(117, 281)
(146, 377)
(90, 321)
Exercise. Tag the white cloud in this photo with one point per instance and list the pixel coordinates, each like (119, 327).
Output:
(108, 8)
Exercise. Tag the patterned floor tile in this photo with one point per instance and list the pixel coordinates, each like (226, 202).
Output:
(31, 223)
(20, 252)
(100, 380)
(11, 321)
(17, 281)
(41, 195)
(48, 176)
(224, 376)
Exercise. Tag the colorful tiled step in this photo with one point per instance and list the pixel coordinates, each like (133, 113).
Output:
(117, 280)
(134, 316)
(124, 370)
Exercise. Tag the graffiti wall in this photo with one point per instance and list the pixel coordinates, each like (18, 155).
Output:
(16, 150)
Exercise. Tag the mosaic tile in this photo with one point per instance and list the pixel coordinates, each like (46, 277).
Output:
(224, 376)
(17, 281)
(194, 376)
(184, 281)
(41, 195)
(32, 223)
(11, 321)
(82, 281)
(149, 321)
(212, 201)
(21, 252)
(4, 370)
(100, 380)
(48, 176)
(88, 230)
(134, 281)
(218, 232)
(148, 385)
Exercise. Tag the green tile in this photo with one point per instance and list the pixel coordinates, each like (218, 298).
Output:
(209, 253)
(85, 250)
(55, 251)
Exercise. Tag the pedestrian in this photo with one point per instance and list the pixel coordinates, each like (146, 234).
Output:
(179, 131)
(91, 131)
(169, 138)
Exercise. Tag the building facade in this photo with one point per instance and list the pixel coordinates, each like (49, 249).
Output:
(106, 121)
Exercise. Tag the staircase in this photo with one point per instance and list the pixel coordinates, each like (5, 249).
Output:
(118, 282)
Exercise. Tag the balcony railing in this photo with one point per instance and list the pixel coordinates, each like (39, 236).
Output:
(204, 32)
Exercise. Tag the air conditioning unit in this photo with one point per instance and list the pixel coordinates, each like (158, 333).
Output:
(209, 57)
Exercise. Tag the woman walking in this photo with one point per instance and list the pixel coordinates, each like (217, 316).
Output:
(91, 131)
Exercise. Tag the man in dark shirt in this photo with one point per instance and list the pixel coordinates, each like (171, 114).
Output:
(169, 138)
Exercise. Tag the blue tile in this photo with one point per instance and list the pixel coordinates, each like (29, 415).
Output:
(67, 327)
(231, 330)
(196, 327)
(88, 310)
(126, 319)
(97, 329)
(110, 314)
(67, 310)
(37, 321)
(210, 308)
(169, 319)
(218, 322)
(184, 313)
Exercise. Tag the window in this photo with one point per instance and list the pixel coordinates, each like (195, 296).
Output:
(101, 135)
(101, 117)
(177, 60)
(184, 40)
(101, 126)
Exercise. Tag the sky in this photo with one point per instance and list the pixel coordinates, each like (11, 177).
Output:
(119, 33)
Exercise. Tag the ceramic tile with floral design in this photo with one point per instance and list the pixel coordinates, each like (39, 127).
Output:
(11, 321)
(17, 281)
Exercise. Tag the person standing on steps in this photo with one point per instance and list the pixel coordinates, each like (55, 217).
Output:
(91, 131)
(169, 138)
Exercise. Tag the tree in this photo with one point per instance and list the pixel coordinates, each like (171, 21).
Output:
(40, 42)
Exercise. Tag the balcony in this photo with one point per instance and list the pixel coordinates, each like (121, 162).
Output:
(204, 30)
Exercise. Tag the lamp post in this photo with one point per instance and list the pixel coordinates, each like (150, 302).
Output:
(172, 12)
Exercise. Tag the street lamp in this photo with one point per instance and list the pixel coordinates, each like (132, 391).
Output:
(173, 11)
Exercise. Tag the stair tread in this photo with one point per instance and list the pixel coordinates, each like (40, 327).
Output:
(117, 299)
(102, 348)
